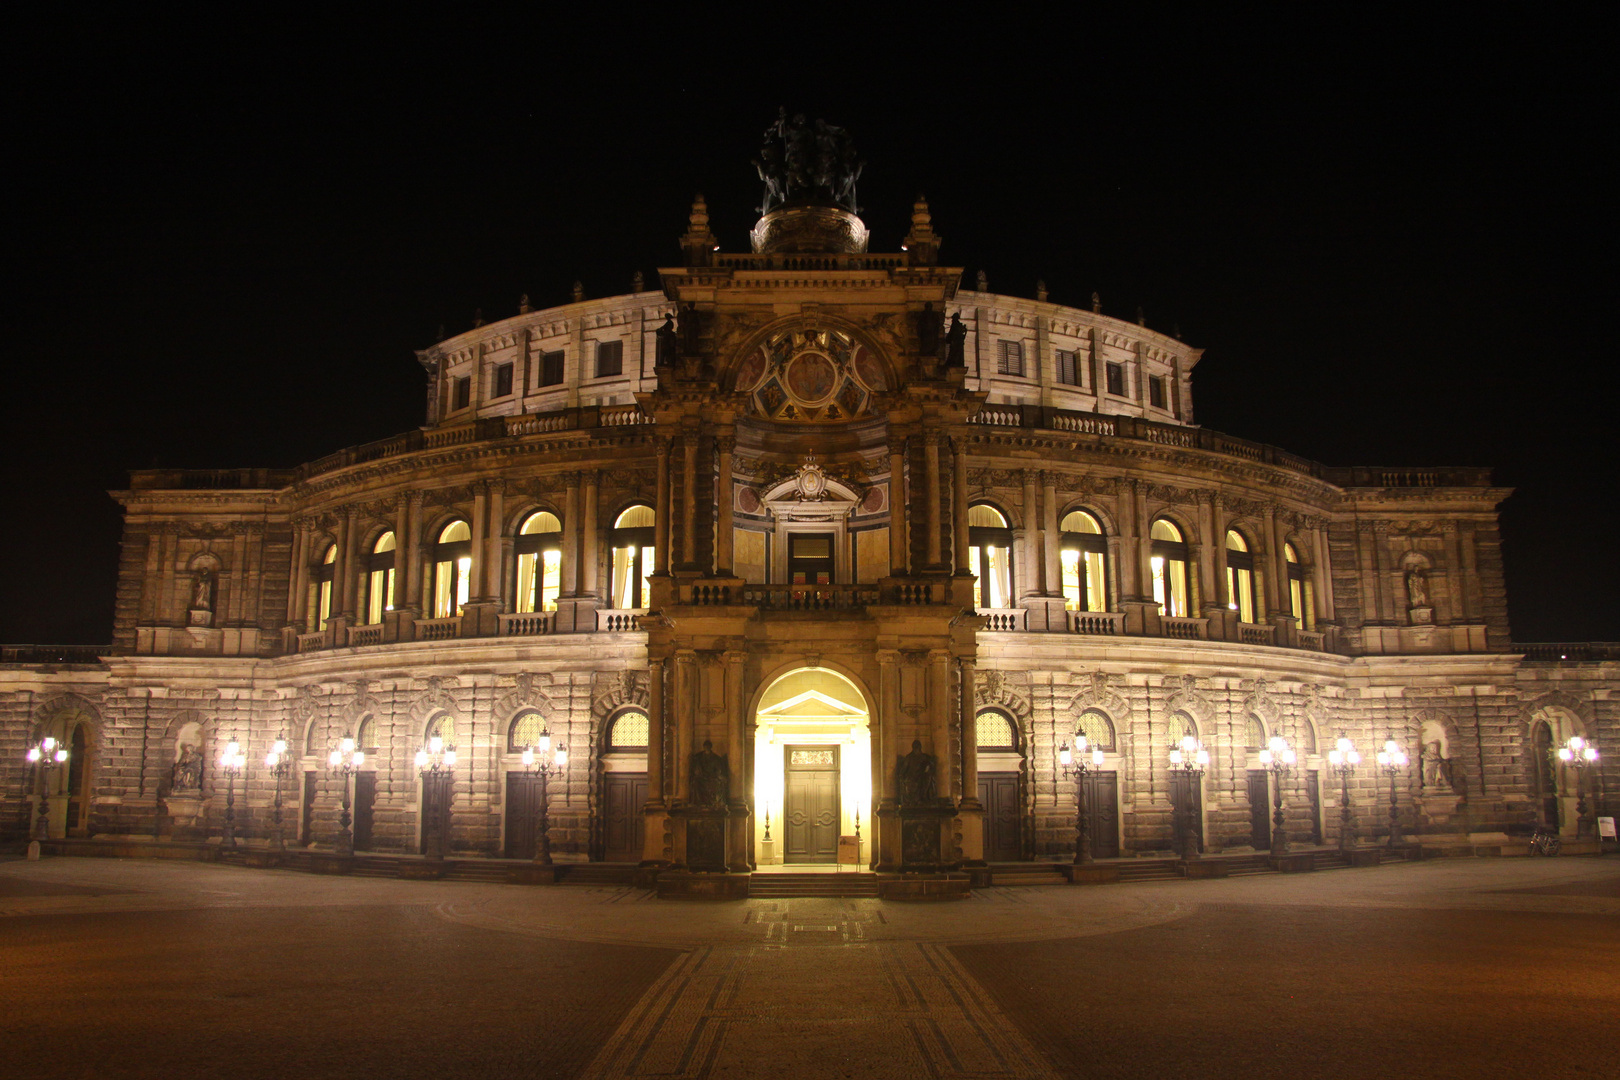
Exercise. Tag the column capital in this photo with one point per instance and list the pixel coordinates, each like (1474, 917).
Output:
(661, 445)
(888, 657)
(726, 443)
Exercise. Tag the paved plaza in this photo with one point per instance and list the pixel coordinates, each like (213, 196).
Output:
(1457, 968)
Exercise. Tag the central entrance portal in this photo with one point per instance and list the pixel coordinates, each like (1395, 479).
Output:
(812, 769)
(810, 805)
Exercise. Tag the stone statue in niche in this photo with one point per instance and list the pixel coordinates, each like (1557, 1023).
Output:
(1436, 766)
(928, 330)
(202, 593)
(956, 343)
(186, 775)
(711, 778)
(914, 777)
(664, 354)
(1417, 587)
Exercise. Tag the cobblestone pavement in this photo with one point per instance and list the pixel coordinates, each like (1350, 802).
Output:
(141, 968)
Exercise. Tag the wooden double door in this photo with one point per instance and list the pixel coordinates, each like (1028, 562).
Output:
(1187, 808)
(1003, 816)
(624, 824)
(810, 805)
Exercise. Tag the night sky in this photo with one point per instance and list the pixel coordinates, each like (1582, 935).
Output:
(1391, 237)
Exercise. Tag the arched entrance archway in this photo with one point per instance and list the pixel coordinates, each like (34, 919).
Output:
(812, 769)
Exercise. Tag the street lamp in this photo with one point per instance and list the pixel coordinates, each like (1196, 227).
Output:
(545, 762)
(1392, 759)
(46, 755)
(344, 762)
(232, 761)
(1577, 753)
(278, 763)
(433, 761)
(1074, 765)
(1279, 757)
(1189, 760)
(1343, 759)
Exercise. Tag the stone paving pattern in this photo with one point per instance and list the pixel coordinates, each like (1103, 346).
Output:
(1460, 968)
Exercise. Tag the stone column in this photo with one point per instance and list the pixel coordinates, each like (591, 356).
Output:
(569, 585)
(959, 508)
(970, 809)
(492, 541)
(347, 578)
(1033, 553)
(413, 557)
(475, 576)
(1322, 572)
(298, 578)
(939, 678)
(886, 831)
(932, 499)
(682, 715)
(1052, 538)
(724, 496)
(662, 510)
(402, 552)
(897, 508)
(689, 497)
(739, 854)
(654, 811)
(590, 543)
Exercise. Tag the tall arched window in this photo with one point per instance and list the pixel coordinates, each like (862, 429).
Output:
(633, 556)
(1544, 776)
(995, 730)
(380, 578)
(1296, 584)
(1182, 725)
(539, 562)
(365, 736)
(1097, 728)
(1169, 563)
(1254, 734)
(990, 556)
(1083, 553)
(525, 732)
(452, 569)
(321, 579)
(1240, 576)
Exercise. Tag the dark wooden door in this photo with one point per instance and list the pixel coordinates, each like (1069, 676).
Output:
(1102, 806)
(78, 789)
(438, 792)
(306, 820)
(1313, 798)
(810, 805)
(365, 803)
(1003, 816)
(1187, 805)
(625, 825)
(522, 814)
(1260, 809)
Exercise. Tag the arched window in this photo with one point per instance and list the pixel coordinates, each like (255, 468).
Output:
(442, 726)
(365, 737)
(1097, 728)
(1254, 734)
(995, 730)
(321, 579)
(1296, 585)
(539, 562)
(990, 556)
(452, 569)
(1169, 563)
(1182, 725)
(1083, 553)
(628, 732)
(1240, 576)
(1542, 756)
(312, 746)
(380, 578)
(633, 556)
(525, 731)
(1307, 737)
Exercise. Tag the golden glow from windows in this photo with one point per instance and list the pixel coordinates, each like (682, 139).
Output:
(982, 516)
(636, 517)
(454, 532)
(1078, 521)
(540, 522)
(1165, 530)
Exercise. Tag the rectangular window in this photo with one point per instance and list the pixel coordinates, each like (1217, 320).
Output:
(551, 368)
(463, 393)
(609, 358)
(503, 381)
(1116, 379)
(1011, 360)
(1068, 367)
(1156, 392)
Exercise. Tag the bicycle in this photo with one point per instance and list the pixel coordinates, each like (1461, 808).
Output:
(1545, 842)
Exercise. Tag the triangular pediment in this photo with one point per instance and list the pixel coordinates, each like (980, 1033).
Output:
(812, 705)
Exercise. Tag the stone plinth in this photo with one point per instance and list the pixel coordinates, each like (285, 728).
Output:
(1089, 873)
(685, 885)
(924, 886)
(1201, 868)
(535, 874)
(326, 862)
(426, 870)
(1302, 863)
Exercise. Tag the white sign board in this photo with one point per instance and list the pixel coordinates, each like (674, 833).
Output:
(1606, 828)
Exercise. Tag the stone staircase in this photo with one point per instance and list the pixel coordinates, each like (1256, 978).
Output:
(1032, 873)
(597, 874)
(1137, 870)
(772, 886)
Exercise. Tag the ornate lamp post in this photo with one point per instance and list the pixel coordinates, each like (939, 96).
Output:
(545, 762)
(343, 763)
(1577, 754)
(278, 764)
(1279, 757)
(46, 755)
(1074, 766)
(1392, 759)
(1343, 759)
(1189, 760)
(432, 761)
(232, 762)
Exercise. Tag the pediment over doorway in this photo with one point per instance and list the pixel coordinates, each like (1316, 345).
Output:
(811, 705)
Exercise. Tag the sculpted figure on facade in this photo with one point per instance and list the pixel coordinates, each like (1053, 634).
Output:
(186, 775)
(914, 776)
(711, 778)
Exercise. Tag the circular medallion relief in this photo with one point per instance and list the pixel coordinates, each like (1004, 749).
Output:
(873, 501)
(869, 370)
(811, 378)
(747, 501)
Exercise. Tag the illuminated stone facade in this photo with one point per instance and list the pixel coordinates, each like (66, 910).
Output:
(760, 528)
